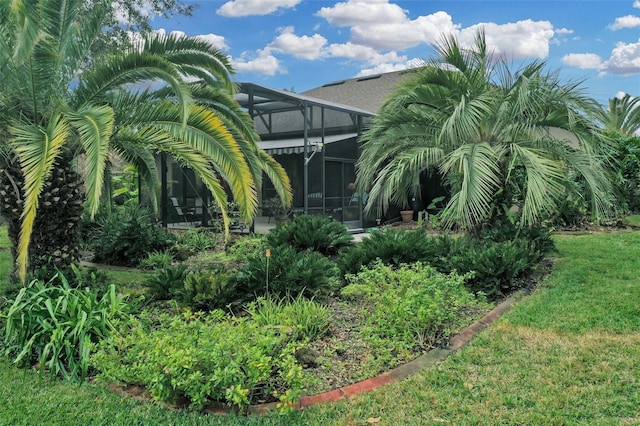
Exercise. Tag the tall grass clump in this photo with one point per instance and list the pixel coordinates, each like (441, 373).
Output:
(55, 326)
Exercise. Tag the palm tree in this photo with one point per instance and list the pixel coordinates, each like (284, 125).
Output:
(60, 98)
(622, 116)
(498, 137)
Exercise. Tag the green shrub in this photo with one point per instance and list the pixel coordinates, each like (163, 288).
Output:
(495, 266)
(303, 318)
(394, 247)
(246, 246)
(127, 236)
(157, 260)
(208, 289)
(166, 283)
(56, 325)
(201, 239)
(287, 272)
(412, 305)
(204, 358)
(317, 233)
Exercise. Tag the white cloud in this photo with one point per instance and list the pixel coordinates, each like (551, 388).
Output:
(522, 39)
(214, 40)
(359, 12)
(564, 30)
(305, 47)
(629, 21)
(364, 53)
(402, 35)
(583, 60)
(383, 68)
(237, 8)
(264, 63)
(636, 4)
(624, 59)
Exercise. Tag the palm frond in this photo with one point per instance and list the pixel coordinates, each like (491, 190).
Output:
(37, 149)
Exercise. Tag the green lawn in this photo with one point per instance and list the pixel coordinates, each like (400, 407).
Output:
(568, 354)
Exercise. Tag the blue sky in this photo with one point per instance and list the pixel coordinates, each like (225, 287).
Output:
(302, 44)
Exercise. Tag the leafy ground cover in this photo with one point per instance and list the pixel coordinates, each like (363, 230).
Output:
(568, 354)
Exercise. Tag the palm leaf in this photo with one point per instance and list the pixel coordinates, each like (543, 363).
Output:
(37, 149)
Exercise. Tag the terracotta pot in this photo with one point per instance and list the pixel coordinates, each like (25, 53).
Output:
(407, 215)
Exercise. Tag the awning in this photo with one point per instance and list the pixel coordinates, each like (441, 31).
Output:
(296, 145)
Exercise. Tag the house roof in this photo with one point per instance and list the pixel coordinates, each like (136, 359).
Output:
(278, 114)
(367, 93)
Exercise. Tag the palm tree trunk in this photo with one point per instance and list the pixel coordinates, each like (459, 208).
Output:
(55, 241)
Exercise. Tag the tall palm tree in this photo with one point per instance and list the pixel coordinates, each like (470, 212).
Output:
(499, 136)
(622, 116)
(60, 97)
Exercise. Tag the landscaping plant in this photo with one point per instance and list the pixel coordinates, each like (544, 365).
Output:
(313, 232)
(411, 306)
(288, 272)
(394, 247)
(56, 326)
(204, 358)
(300, 317)
(127, 236)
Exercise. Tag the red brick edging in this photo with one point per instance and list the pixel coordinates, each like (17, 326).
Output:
(398, 373)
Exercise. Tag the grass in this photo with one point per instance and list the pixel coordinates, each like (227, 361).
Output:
(568, 354)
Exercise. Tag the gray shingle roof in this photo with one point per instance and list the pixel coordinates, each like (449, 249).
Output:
(367, 93)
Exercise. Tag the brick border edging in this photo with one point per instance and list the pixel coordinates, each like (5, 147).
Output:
(399, 373)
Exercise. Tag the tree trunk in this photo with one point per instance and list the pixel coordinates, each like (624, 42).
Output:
(55, 241)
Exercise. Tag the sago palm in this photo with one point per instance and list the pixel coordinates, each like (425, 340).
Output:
(62, 97)
(499, 136)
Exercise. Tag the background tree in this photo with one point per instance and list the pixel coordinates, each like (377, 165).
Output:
(61, 97)
(501, 138)
(622, 116)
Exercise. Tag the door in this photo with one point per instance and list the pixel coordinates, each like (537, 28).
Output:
(342, 200)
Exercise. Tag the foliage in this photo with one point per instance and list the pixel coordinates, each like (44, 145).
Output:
(393, 247)
(157, 260)
(246, 246)
(302, 318)
(127, 236)
(288, 272)
(208, 289)
(626, 172)
(495, 265)
(502, 253)
(204, 358)
(499, 136)
(56, 325)
(199, 240)
(317, 233)
(412, 305)
(166, 283)
(622, 116)
(64, 94)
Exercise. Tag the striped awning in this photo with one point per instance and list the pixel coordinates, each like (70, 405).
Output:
(296, 145)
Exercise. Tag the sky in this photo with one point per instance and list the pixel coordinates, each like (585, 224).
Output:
(302, 44)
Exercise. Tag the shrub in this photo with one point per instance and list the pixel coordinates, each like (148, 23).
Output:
(208, 289)
(303, 318)
(394, 247)
(127, 236)
(412, 305)
(246, 246)
(287, 272)
(199, 240)
(57, 325)
(495, 265)
(166, 282)
(157, 260)
(317, 233)
(204, 358)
